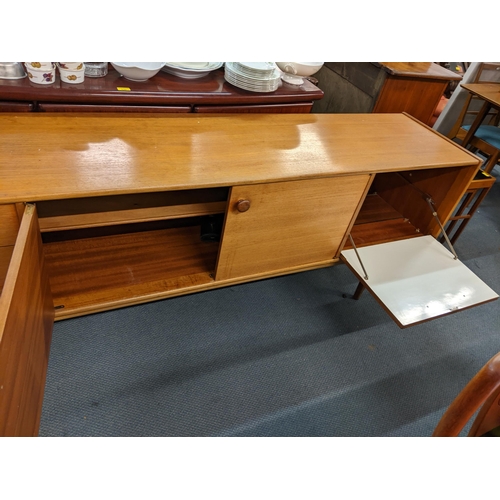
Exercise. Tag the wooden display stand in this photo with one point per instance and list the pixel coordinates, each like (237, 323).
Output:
(101, 212)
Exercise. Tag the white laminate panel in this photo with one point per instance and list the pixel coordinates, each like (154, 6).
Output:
(418, 279)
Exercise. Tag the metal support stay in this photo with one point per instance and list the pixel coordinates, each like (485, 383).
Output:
(357, 255)
(429, 201)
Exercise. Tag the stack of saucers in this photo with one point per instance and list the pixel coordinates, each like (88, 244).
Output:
(253, 76)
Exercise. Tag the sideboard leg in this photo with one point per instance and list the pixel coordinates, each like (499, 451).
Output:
(358, 291)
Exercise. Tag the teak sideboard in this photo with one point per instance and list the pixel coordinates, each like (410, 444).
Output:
(104, 211)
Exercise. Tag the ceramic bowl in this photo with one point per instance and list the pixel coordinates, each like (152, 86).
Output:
(138, 71)
(70, 75)
(300, 68)
(74, 66)
(39, 65)
(295, 71)
(42, 76)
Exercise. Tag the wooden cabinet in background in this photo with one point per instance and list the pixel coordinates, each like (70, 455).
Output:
(364, 87)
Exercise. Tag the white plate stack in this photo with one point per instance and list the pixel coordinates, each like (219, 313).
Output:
(253, 76)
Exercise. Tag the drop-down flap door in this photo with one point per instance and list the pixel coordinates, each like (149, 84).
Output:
(417, 279)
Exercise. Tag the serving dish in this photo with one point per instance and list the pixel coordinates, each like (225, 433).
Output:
(137, 71)
(191, 70)
(295, 72)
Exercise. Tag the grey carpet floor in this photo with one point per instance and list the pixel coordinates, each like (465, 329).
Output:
(288, 356)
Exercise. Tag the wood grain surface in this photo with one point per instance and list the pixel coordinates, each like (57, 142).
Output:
(287, 224)
(106, 272)
(54, 156)
(26, 319)
(420, 70)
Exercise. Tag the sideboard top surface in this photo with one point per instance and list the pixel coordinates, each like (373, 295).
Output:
(55, 156)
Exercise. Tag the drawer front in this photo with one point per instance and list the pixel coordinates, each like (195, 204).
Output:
(15, 107)
(109, 108)
(300, 107)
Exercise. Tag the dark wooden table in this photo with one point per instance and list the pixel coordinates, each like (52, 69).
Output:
(162, 93)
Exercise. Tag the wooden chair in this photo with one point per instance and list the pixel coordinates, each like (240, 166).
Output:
(475, 194)
(483, 391)
(487, 137)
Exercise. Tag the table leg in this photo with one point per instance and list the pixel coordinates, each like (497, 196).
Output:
(477, 122)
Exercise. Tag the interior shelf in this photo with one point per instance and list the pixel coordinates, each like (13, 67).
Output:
(379, 222)
(62, 215)
(105, 272)
(376, 209)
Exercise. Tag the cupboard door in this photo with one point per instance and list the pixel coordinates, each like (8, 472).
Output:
(283, 226)
(26, 321)
(417, 279)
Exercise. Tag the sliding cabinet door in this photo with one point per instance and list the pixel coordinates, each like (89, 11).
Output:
(287, 226)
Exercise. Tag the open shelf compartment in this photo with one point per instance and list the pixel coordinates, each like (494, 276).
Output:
(61, 215)
(98, 259)
(397, 206)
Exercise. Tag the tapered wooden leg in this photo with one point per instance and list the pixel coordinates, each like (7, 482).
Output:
(359, 291)
(492, 161)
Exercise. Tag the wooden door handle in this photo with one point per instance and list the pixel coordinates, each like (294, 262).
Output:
(242, 205)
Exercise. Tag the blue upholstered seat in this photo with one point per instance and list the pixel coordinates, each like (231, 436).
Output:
(488, 133)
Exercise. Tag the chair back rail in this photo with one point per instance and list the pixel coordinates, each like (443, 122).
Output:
(482, 392)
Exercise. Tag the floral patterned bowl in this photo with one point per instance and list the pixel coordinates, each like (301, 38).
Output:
(39, 65)
(73, 66)
(72, 75)
(41, 76)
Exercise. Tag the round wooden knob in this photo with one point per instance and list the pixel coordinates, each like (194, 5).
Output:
(243, 205)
